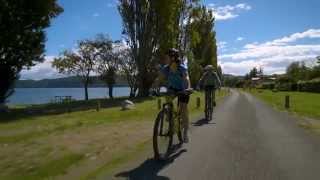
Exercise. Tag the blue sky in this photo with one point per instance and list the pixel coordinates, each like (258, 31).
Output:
(270, 34)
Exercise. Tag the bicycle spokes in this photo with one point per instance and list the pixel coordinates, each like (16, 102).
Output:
(162, 137)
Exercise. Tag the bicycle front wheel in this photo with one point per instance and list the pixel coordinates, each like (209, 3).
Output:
(163, 134)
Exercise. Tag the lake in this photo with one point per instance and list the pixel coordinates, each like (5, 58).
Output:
(46, 95)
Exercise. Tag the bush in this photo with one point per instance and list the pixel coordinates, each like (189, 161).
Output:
(267, 85)
(286, 83)
(309, 86)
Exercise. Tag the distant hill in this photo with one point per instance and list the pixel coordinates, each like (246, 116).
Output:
(230, 80)
(68, 82)
(232, 76)
(75, 82)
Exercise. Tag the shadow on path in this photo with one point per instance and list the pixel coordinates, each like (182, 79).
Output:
(202, 122)
(150, 168)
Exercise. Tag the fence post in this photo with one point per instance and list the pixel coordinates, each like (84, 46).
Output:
(98, 105)
(287, 102)
(159, 103)
(198, 102)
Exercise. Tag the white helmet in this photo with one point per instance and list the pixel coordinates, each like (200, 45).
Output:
(209, 68)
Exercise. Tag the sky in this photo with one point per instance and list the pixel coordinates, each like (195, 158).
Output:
(250, 33)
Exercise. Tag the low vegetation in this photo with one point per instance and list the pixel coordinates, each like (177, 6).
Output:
(75, 144)
(301, 103)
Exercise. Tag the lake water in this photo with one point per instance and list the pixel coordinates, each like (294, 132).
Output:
(46, 95)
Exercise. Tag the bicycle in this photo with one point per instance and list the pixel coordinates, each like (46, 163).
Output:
(208, 104)
(167, 124)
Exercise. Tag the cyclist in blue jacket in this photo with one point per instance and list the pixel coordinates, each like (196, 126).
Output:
(175, 74)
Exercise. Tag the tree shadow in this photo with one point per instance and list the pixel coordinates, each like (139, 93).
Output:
(202, 122)
(150, 168)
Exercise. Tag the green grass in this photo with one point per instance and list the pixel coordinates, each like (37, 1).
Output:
(35, 126)
(24, 131)
(45, 171)
(119, 159)
(106, 169)
(303, 104)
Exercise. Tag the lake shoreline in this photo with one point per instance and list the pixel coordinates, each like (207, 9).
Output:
(36, 96)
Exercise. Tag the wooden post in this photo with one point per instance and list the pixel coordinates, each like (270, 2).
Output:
(98, 105)
(159, 103)
(287, 102)
(198, 102)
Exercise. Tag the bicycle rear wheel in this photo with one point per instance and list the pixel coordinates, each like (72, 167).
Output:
(208, 110)
(162, 134)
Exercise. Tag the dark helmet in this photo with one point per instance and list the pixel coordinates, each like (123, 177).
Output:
(172, 52)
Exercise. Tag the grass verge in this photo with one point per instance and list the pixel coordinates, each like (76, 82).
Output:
(303, 104)
(107, 169)
(45, 171)
(38, 147)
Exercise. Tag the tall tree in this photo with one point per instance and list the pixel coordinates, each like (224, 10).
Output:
(80, 63)
(129, 68)
(202, 40)
(260, 72)
(107, 61)
(220, 73)
(253, 72)
(298, 71)
(139, 19)
(195, 71)
(151, 27)
(185, 18)
(22, 38)
(167, 13)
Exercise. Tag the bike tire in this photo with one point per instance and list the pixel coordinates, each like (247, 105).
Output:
(208, 106)
(179, 131)
(158, 155)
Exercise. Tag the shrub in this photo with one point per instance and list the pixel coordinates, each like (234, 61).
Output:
(309, 86)
(286, 83)
(267, 85)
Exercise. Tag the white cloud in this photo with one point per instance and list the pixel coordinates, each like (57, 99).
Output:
(240, 39)
(228, 11)
(222, 44)
(311, 33)
(42, 70)
(273, 56)
(96, 15)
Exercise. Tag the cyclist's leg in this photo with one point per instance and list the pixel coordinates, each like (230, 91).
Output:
(184, 115)
(214, 97)
(206, 99)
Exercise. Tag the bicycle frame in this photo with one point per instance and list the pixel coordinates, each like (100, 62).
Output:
(167, 124)
(175, 112)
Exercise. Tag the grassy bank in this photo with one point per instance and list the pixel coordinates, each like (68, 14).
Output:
(302, 104)
(70, 145)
